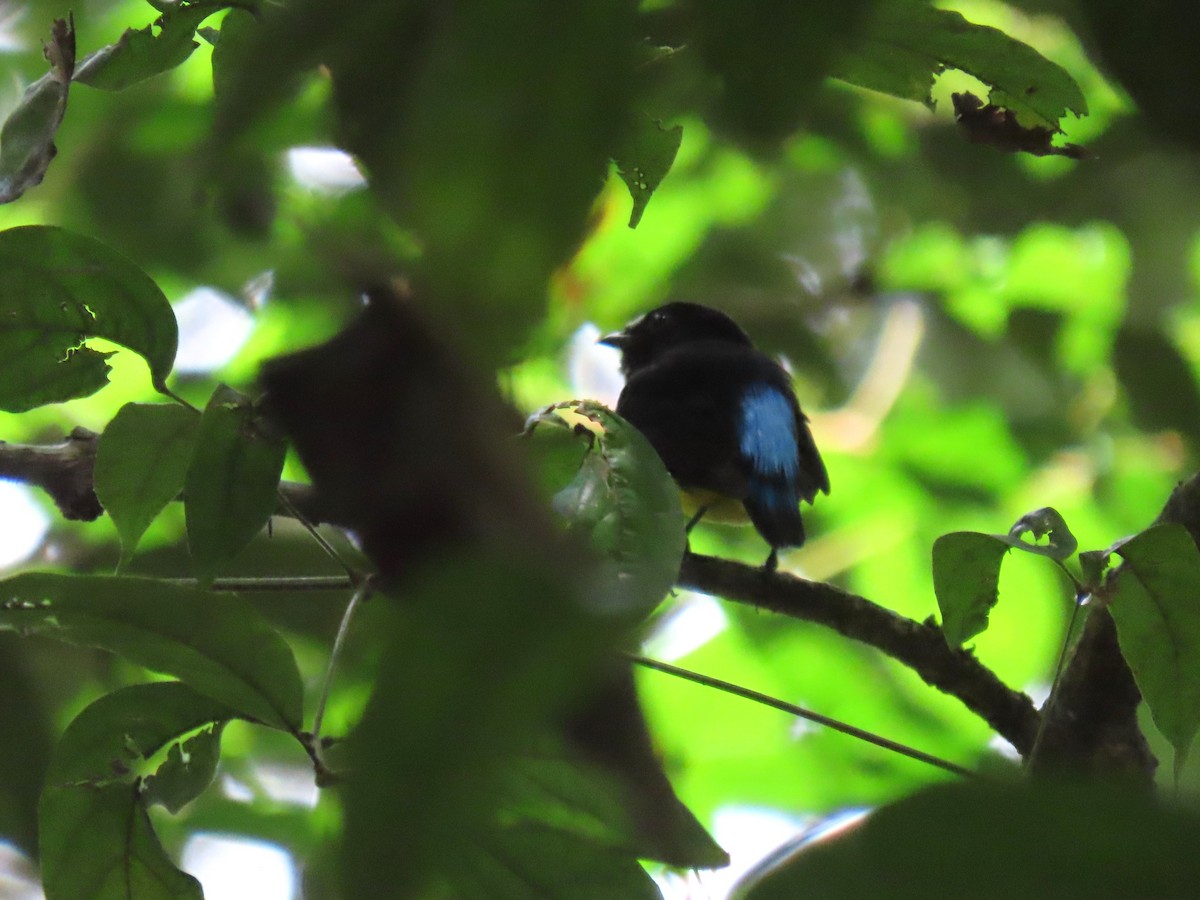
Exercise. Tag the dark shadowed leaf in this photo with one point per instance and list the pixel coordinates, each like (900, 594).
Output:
(188, 770)
(608, 734)
(238, 30)
(966, 573)
(216, 643)
(1157, 612)
(769, 58)
(644, 160)
(558, 792)
(144, 52)
(623, 500)
(491, 140)
(906, 44)
(27, 136)
(57, 289)
(1158, 381)
(97, 844)
(231, 483)
(508, 189)
(114, 736)
(26, 741)
(141, 464)
(520, 646)
(527, 860)
(993, 841)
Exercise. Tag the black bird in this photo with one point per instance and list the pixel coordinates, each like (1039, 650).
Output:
(723, 418)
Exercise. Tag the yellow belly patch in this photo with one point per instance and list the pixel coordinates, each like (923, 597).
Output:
(721, 508)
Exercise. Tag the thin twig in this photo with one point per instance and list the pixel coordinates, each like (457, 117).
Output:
(775, 703)
(920, 646)
(273, 583)
(361, 595)
(1058, 670)
(324, 544)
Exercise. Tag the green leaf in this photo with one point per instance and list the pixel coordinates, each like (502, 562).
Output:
(554, 453)
(998, 841)
(189, 769)
(217, 643)
(966, 574)
(114, 736)
(97, 844)
(27, 136)
(57, 289)
(608, 806)
(141, 464)
(644, 160)
(1043, 522)
(520, 657)
(767, 60)
(230, 489)
(1157, 611)
(238, 31)
(142, 53)
(906, 44)
(623, 501)
(510, 188)
(527, 860)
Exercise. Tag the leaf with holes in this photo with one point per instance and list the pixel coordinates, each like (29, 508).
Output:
(188, 770)
(1045, 522)
(1157, 612)
(115, 736)
(141, 464)
(230, 489)
(217, 643)
(142, 53)
(905, 45)
(644, 160)
(966, 574)
(57, 289)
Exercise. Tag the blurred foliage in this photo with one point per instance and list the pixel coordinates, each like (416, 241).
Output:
(974, 335)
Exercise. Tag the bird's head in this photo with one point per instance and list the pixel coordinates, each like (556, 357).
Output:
(646, 338)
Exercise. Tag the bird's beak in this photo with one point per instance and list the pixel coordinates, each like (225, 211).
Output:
(617, 339)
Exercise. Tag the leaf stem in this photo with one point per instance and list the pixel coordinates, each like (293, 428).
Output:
(363, 592)
(783, 705)
(167, 392)
(286, 501)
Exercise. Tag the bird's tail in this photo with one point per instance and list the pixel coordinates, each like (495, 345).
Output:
(774, 508)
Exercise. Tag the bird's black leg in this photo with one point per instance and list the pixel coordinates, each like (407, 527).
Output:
(772, 562)
(694, 520)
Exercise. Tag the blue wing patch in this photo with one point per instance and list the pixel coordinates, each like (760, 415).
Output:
(767, 440)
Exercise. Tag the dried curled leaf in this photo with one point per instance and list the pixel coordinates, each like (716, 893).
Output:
(27, 136)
